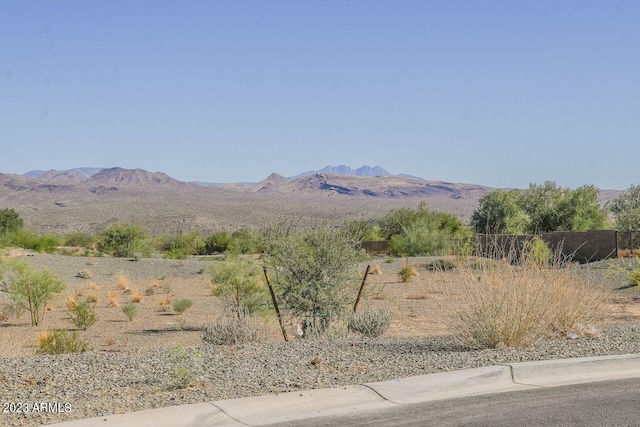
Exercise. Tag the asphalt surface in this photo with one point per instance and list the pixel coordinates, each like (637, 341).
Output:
(607, 403)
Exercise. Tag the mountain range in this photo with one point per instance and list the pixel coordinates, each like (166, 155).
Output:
(89, 199)
(364, 170)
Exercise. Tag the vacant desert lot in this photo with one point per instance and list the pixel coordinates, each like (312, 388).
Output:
(417, 305)
(132, 366)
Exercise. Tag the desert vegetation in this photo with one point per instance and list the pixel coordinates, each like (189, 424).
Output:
(314, 273)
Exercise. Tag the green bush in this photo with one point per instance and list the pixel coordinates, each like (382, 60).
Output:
(60, 341)
(187, 366)
(316, 270)
(370, 323)
(10, 221)
(538, 253)
(79, 239)
(31, 290)
(240, 280)
(217, 243)
(82, 314)
(123, 240)
(181, 305)
(130, 310)
(40, 243)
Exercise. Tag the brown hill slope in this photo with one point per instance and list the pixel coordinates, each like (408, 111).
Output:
(61, 203)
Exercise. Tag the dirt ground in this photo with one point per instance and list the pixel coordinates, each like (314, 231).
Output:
(415, 304)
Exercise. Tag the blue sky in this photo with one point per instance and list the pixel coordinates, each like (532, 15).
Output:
(500, 93)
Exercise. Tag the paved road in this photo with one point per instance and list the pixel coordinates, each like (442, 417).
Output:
(609, 403)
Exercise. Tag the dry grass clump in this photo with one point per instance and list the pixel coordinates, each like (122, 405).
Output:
(93, 286)
(517, 305)
(136, 296)
(122, 280)
(164, 302)
(114, 299)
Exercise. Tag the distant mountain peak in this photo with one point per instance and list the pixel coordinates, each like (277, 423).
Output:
(364, 170)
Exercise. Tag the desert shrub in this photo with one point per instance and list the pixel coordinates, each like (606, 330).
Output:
(114, 299)
(130, 310)
(537, 252)
(10, 220)
(149, 292)
(136, 296)
(364, 231)
(122, 280)
(315, 270)
(164, 302)
(82, 313)
(244, 241)
(517, 305)
(60, 341)
(370, 323)
(85, 274)
(407, 272)
(123, 240)
(629, 270)
(232, 329)
(31, 290)
(240, 279)
(187, 366)
(217, 243)
(79, 239)
(440, 265)
(40, 243)
(181, 305)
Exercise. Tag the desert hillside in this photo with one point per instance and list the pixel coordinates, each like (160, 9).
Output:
(56, 201)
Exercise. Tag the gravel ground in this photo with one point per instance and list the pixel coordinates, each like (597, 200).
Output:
(101, 383)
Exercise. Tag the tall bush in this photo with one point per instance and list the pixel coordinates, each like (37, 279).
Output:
(122, 240)
(315, 271)
(31, 289)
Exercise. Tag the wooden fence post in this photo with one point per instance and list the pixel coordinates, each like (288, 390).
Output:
(275, 303)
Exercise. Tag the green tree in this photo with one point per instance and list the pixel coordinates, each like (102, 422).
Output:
(122, 240)
(392, 223)
(315, 271)
(626, 209)
(10, 220)
(217, 242)
(553, 208)
(31, 289)
(500, 212)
